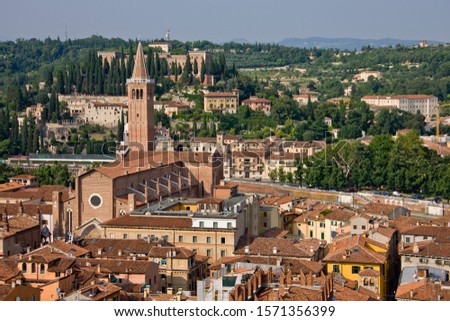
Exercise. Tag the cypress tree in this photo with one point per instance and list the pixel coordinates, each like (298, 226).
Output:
(202, 71)
(195, 67)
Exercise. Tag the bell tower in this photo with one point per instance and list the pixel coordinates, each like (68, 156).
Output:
(141, 128)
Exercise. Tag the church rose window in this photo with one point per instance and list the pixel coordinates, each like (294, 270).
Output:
(95, 200)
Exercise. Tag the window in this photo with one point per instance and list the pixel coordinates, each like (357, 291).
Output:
(265, 214)
(265, 224)
(201, 224)
(215, 224)
(194, 239)
(125, 236)
(372, 281)
(335, 268)
(222, 240)
(229, 225)
(363, 227)
(139, 236)
(163, 261)
(407, 239)
(322, 224)
(95, 200)
(42, 268)
(180, 238)
(322, 236)
(223, 253)
(355, 269)
(208, 252)
(33, 267)
(24, 268)
(310, 233)
(58, 274)
(111, 235)
(208, 239)
(355, 227)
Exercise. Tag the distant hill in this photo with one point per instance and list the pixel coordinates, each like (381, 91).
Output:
(347, 43)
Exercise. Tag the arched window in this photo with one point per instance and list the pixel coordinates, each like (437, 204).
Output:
(24, 267)
(33, 267)
(42, 268)
(372, 281)
(142, 94)
(133, 95)
(366, 282)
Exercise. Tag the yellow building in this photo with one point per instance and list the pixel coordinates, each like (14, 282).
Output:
(225, 102)
(363, 260)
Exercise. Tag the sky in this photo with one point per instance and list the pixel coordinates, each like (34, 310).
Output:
(225, 20)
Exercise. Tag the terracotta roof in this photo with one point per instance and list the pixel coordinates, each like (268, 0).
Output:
(440, 233)
(44, 193)
(378, 208)
(386, 231)
(342, 293)
(372, 295)
(210, 200)
(23, 176)
(265, 246)
(256, 100)
(117, 266)
(340, 215)
(8, 270)
(5, 290)
(275, 232)
(68, 248)
(354, 250)
(168, 251)
(111, 247)
(99, 291)
(424, 290)
(146, 221)
(427, 249)
(41, 255)
(61, 265)
(19, 223)
(12, 186)
(31, 210)
(441, 150)
(275, 200)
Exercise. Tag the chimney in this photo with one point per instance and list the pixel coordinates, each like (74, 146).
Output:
(411, 294)
(99, 268)
(274, 251)
(99, 251)
(415, 248)
(13, 284)
(247, 250)
(119, 252)
(170, 291)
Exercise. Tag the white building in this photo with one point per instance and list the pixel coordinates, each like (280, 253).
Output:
(425, 104)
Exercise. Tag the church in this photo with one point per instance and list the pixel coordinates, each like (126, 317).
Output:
(139, 175)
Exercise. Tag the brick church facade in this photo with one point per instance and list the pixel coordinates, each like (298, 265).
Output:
(141, 175)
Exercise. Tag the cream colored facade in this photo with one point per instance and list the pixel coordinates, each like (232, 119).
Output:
(225, 102)
(425, 104)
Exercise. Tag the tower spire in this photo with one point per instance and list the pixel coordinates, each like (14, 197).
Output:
(140, 69)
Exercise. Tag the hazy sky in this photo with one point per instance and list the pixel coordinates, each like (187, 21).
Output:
(218, 21)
